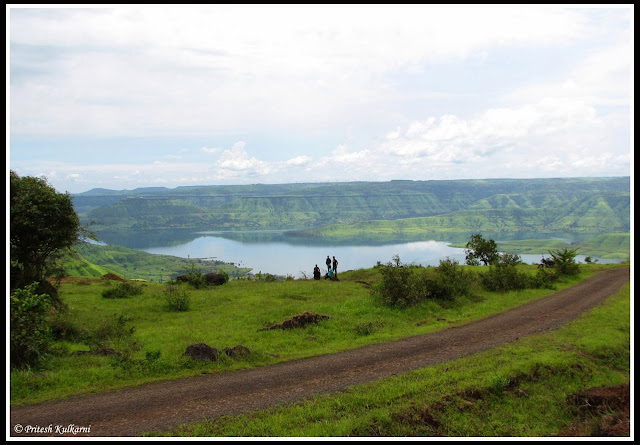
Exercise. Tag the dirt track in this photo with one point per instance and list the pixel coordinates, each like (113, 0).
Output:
(158, 406)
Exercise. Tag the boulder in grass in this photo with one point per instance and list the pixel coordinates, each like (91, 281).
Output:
(202, 351)
(298, 321)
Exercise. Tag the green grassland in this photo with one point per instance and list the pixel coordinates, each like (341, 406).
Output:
(518, 390)
(150, 339)
(93, 261)
(612, 245)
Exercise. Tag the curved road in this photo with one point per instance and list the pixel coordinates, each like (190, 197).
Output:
(159, 406)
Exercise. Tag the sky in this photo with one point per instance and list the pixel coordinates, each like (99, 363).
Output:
(127, 96)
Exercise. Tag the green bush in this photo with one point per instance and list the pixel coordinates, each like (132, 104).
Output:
(30, 334)
(505, 278)
(457, 280)
(404, 285)
(395, 288)
(565, 261)
(544, 278)
(123, 290)
(195, 277)
(177, 299)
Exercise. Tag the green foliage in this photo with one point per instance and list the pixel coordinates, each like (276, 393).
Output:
(505, 278)
(177, 299)
(113, 331)
(444, 283)
(395, 289)
(565, 263)
(195, 277)
(480, 250)
(124, 289)
(404, 286)
(30, 333)
(43, 222)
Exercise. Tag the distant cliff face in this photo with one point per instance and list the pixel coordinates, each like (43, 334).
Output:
(591, 204)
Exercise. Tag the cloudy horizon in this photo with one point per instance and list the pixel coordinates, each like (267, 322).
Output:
(121, 97)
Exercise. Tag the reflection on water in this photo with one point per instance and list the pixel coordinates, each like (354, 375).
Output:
(273, 251)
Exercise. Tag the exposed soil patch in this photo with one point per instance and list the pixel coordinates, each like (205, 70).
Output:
(112, 276)
(202, 351)
(297, 321)
(606, 412)
(159, 406)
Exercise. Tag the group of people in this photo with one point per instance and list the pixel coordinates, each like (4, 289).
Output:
(332, 269)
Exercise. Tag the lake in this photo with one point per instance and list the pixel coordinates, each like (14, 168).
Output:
(270, 251)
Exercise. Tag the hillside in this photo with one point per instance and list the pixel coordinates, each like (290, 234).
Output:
(597, 205)
(597, 213)
(93, 261)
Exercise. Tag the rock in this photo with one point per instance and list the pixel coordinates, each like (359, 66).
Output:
(298, 321)
(216, 278)
(202, 351)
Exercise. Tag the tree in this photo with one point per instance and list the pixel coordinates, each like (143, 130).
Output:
(565, 261)
(43, 222)
(478, 249)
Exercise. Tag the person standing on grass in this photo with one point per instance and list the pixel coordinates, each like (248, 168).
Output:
(328, 263)
(335, 267)
(316, 273)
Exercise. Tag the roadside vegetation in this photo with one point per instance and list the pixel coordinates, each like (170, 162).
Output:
(529, 388)
(103, 343)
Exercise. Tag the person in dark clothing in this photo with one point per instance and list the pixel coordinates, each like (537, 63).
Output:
(316, 273)
(335, 267)
(328, 263)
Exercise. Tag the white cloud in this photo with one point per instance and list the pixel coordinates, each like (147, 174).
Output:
(190, 69)
(299, 161)
(237, 161)
(395, 90)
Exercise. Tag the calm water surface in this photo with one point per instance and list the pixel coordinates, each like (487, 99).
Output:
(274, 255)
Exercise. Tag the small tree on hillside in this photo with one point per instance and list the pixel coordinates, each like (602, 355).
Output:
(565, 261)
(480, 250)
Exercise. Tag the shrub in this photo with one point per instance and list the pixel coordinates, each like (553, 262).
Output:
(195, 277)
(177, 299)
(457, 280)
(30, 335)
(403, 286)
(544, 278)
(505, 278)
(395, 288)
(123, 290)
(565, 263)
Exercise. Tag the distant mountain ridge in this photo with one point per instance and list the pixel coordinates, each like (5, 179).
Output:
(600, 205)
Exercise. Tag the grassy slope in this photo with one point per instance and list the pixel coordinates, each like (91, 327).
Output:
(92, 260)
(518, 390)
(612, 245)
(226, 316)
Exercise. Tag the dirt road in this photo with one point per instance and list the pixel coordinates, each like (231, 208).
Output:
(158, 406)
